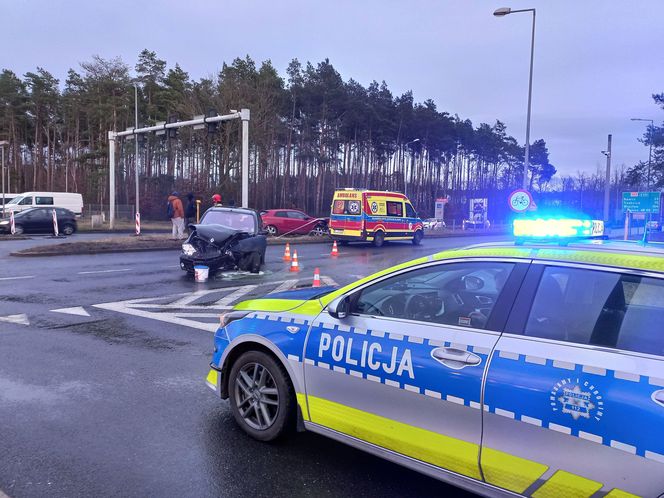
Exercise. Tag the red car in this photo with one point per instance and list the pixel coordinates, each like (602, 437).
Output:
(292, 222)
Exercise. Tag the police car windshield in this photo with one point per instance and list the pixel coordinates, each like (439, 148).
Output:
(236, 220)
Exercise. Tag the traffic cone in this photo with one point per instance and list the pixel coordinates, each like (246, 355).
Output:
(316, 278)
(335, 250)
(294, 264)
(287, 256)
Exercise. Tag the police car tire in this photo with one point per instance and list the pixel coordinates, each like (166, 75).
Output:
(379, 239)
(285, 419)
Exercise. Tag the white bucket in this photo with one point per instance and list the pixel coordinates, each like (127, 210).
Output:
(201, 273)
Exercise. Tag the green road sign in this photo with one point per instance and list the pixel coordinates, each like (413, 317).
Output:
(640, 202)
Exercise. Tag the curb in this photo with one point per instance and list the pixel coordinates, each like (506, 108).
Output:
(59, 250)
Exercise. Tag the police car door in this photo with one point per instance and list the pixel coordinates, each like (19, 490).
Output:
(403, 369)
(575, 386)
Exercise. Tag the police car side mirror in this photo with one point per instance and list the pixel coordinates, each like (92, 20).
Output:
(339, 308)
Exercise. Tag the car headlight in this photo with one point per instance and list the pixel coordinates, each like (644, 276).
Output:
(226, 318)
(4, 222)
(188, 249)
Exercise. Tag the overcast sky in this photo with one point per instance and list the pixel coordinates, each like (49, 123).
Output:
(597, 63)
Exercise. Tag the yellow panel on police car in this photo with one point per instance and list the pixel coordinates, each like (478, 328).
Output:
(302, 401)
(652, 263)
(211, 378)
(568, 485)
(446, 452)
(619, 493)
(508, 471)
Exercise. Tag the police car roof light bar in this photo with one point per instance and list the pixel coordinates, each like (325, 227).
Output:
(560, 230)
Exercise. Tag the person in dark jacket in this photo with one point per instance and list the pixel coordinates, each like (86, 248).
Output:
(190, 211)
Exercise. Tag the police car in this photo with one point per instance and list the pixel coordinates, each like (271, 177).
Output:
(533, 370)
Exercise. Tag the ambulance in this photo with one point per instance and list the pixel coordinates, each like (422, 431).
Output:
(373, 216)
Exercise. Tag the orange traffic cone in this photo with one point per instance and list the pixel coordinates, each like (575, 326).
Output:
(287, 252)
(316, 278)
(335, 250)
(294, 264)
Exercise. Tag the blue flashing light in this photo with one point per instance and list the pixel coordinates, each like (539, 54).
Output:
(557, 228)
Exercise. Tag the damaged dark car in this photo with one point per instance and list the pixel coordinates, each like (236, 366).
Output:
(225, 239)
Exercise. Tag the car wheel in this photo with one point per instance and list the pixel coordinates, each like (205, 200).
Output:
(262, 398)
(68, 229)
(319, 231)
(18, 229)
(379, 239)
(271, 230)
(417, 237)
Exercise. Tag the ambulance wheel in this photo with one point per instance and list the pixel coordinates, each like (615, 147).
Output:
(379, 239)
(417, 237)
(262, 398)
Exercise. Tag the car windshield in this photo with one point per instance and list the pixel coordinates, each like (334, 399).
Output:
(236, 220)
(15, 200)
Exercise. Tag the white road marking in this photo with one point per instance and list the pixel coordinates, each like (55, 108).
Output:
(103, 271)
(17, 278)
(328, 281)
(287, 285)
(234, 296)
(77, 310)
(21, 319)
(182, 309)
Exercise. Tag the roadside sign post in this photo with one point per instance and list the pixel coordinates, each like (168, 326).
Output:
(520, 201)
(12, 225)
(56, 232)
(640, 203)
(138, 223)
(198, 210)
(439, 212)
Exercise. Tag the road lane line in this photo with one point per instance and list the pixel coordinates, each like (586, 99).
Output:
(234, 296)
(17, 278)
(21, 319)
(287, 285)
(103, 271)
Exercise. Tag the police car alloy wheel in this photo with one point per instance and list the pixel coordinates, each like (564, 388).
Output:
(262, 399)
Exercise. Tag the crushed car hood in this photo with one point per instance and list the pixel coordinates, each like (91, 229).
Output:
(217, 232)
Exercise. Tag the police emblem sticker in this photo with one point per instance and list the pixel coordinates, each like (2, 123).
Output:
(577, 398)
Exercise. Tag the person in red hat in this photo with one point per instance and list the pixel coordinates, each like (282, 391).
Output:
(216, 200)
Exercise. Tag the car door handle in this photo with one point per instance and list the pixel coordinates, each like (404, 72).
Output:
(658, 397)
(455, 358)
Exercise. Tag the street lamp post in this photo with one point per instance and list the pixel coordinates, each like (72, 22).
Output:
(652, 125)
(411, 165)
(136, 145)
(503, 11)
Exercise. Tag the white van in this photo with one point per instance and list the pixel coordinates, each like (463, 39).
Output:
(7, 197)
(26, 200)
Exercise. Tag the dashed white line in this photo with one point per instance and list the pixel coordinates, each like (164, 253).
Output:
(103, 271)
(432, 394)
(531, 420)
(560, 428)
(454, 399)
(17, 278)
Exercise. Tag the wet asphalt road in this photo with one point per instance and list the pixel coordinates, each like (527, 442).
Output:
(114, 403)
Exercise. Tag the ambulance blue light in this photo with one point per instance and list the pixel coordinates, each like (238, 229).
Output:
(559, 228)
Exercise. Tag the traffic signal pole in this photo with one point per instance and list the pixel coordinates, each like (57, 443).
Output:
(243, 115)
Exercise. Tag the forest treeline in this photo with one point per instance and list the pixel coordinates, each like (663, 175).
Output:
(311, 131)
